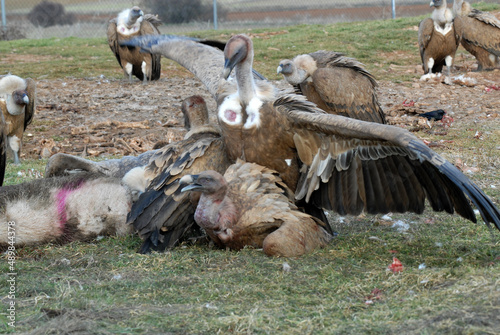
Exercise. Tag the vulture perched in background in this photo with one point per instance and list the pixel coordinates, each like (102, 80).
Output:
(19, 95)
(337, 84)
(437, 41)
(128, 24)
(163, 214)
(479, 33)
(3, 143)
(251, 206)
(330, 161)
(63, 209)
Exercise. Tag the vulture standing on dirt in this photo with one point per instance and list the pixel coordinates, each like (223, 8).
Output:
(437, 41)
(337, 84)
(251, 206)
(479, 33)
(163, 214)
(3, 143)
(63, 209)
(331, 161)
(19, 95)
(131, 23)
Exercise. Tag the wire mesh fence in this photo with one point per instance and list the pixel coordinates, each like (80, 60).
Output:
(65, 18)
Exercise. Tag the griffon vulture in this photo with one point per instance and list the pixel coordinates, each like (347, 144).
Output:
(163, 214)
(479, 33)
(63, 209)
(331, 161)
(3, 143)
(437, 41)
(19, 95)
(251, 206)
(128, 24)
(337, 84)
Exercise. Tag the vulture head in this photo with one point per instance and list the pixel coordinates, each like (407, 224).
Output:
(215, 212)
(134, 15)
(437, 3)
(238, 50)
(296, 71)
(208, 182)
(130, 17)
(195, 112)
(20, 98)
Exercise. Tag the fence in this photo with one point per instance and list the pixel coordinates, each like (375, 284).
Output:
(64, 18)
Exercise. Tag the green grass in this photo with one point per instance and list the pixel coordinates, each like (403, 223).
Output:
(105, 287)
(366, 41)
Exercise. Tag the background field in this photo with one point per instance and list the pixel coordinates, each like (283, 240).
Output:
(449, 284)
(90, 18)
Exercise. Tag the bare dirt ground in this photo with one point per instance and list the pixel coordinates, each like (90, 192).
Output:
(97, 117)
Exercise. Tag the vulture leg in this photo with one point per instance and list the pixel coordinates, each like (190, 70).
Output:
(62, 164)
(449, 62)
(145, 66)
(15, 146)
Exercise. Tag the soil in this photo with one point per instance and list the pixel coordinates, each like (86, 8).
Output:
(97, 117)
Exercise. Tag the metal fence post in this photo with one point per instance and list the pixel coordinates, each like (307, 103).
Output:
(393, 9)
(215, 14)
(4, 16)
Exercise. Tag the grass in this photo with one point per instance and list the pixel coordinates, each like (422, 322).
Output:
(90, 57)
(105, 287)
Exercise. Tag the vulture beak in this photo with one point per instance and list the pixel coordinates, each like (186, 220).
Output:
(279, 69)
(26, 99)
(431, 4)
(230, 63)
(190, 180)
(228, 67)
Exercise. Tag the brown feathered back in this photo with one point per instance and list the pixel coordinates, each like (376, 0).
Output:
(479, 33)
(265, 215)
(338, 84)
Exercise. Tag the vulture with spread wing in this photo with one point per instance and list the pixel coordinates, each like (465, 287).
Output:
(437, 41)
(251, 206)
(337, 84)
(330, 161)
(19, 95)
(479, 33)
(128, 24)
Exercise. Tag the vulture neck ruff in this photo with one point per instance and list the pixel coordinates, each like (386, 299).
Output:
(461, 8)
(123, 25)
(442, 16)
(305, 66)
(8, 85)
(12, 107)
